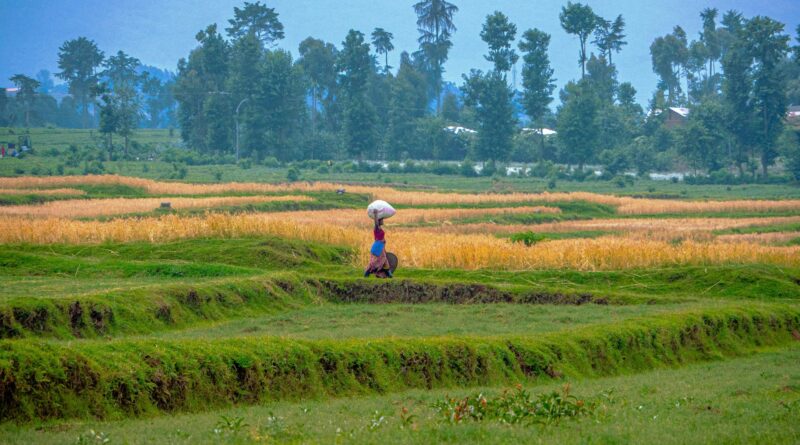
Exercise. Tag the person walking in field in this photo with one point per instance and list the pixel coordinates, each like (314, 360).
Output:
(378, 262)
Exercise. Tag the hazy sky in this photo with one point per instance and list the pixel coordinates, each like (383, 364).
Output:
(159, 32)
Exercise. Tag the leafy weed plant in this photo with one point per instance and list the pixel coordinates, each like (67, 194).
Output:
(517, 406)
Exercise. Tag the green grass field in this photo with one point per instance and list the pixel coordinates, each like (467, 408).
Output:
(269, 340)
(752, 399)
(59, 139)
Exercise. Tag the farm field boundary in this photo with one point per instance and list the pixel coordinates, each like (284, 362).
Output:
(144, 377)
(168, 307)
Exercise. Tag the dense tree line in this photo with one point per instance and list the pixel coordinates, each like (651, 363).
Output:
(94, 85)
(238, 92)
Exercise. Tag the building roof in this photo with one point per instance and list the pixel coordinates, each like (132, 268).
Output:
(684, 112)
(458, 130)
(545, 131)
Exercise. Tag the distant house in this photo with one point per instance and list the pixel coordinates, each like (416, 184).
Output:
(11, 91)
(458, 130)
(676, 117)
(793, 115)
(545, 131)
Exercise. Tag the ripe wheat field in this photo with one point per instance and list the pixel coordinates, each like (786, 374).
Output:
(425, 237)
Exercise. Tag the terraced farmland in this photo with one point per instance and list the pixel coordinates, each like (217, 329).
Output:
(242, 316)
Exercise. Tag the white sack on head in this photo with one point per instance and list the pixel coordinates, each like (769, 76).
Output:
(381, 209)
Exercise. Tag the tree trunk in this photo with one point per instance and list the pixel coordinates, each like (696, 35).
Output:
(313, 116)
(766, 141)
(583, 58)
(110, 146)
(85, 111)
(126, 146)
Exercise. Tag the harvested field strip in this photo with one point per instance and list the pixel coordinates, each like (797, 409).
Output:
(625, 205)
(417, 248)
(760, 238)
(359, 218)
(623, 225)
(145, 377)
(119, 206)
(44, 192)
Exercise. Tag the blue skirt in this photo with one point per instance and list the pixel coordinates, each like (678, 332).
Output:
(377, 248)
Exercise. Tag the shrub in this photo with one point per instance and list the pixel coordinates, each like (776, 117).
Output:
(528, 238)
(489, 169)
(271, 162)
(411, 167)
(467, 168)
(516, 406)
(395, 167)
(443, 169)
(293, 174)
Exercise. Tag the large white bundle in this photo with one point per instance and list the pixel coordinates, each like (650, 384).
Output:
(380, 209)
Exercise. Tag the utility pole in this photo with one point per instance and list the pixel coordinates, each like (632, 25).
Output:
(235, 118)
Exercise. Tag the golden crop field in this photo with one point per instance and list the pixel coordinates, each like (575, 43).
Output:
(624, 205)
(46, 192)
(79, 208)
(622, 225)
(761, 238)
(426, 237)
(418, 248)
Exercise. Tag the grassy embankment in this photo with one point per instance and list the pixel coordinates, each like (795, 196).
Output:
(750, 400)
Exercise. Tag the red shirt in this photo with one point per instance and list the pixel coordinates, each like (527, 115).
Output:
(378, 232)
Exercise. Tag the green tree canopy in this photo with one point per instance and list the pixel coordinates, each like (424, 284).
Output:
(382, 41)
(78, 61)
(609, 36)
(537, 74)
(578, 129)
(768, 46)
(580, 20)
(490, 96)
(354, 65)
(669, 55)
(258, 19)
(499, 33)
(26, 94)
(436, 27)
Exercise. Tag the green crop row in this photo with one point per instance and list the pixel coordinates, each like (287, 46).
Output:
(120, 378)
(148, 309)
